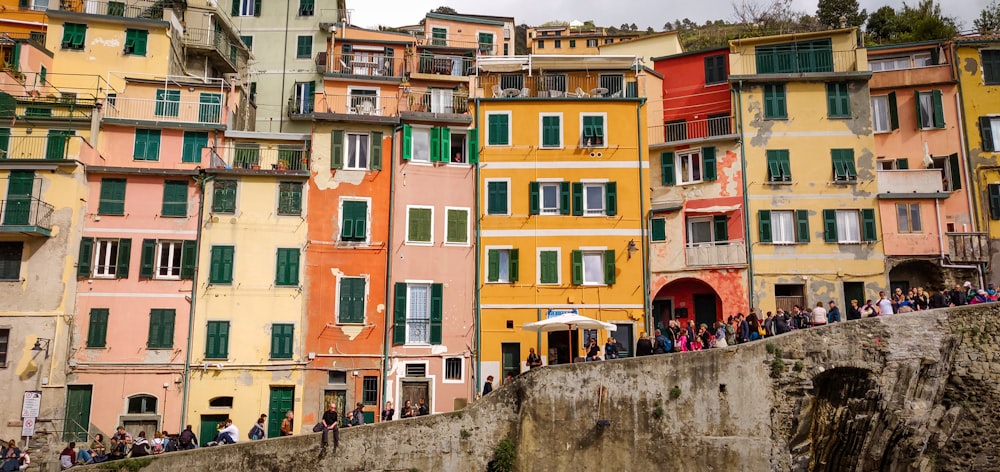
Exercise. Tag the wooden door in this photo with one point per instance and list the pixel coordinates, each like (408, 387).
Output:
(280, 403)
(77, 413)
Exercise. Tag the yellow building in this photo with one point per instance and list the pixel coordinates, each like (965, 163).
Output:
(246, 352)
(575, 40)
(977, 66)
(562, 198)
(804, 113)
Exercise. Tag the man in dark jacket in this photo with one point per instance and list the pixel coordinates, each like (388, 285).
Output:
(643, 347)
(956, 296)
(781, 322)
(939, 300)
(854, 312)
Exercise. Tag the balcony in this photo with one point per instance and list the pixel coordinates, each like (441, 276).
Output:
(133, 110)
(259, 158)
(968, 247)
(937, 74)
(911, 183)
(54, 147)
(444, 67)
(357, 107)
(224, 52)
(371, 65)
(720, 253)
(686, 132)
(487, 49)
(28, 216)
(436, 105)
(785, 63)
(65, 108)
(133, 9)
(556, 86)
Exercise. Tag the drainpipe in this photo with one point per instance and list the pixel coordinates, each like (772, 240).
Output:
(746, 198)
(644, 246)
(388, 270)
(478, 310)
(201, 179)
(284, 68)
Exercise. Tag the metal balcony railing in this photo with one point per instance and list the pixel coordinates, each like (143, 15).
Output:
(438, 64)
(437, 101)
(968, 247)
(362, 105)
(681, 130)
(219, 42)
(130, 9)
(52, 147)
(366, 64)
(719, 253)
(557, 86)
(18, 213)
(486, 49)
(149, 109)
(263, 157)
(794, 62)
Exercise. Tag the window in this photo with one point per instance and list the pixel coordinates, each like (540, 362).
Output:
(194, 142)
(572, 43)
(287, 267)
(352, 300)
(498, 128)
(304, 47)
(290, 198)
(357, 151)
(701, 232)
(440, 143)
(369, 390)
(224, 196)
(658, 229)
(220, 402)
(502, 265)
(142, 405)
(97, 332)
(849, 226)
(419, 225)
(281, 340)
(217, 340)
(715, 69)
(541, 44)
(4, 345)
(549, 198)
(951, 171)
(486, 43)
(417, 315)
(453, 368)
(990, 58)
(593, 267)
(439, 36)
(783, 227)
(551, 130)
(248, 41)
(460, 147)
(307, 7)
(774, 101)
(548, 266)
(147, 145)
(989, 132)
(421, 144)
(591, 43)
(802, 56)
(908, 217)
(689, 167)
(457, 226)
(838, 100)
(161, 329)
(593, 131)
(302, 101)
(221, 265)
(112, 200)
(336, 377)
(105, 258)
(779, 168)
(558, 43)
(930, 111)
(364, 150)
(354, 221)
(609, 40)
(168, 259)
(843, 165)
(593, 199)
(135, 42)
(884, 115)
(209, 108)
(175, 198)
(246, 8)
(74, 36)
(168, 102)
(496, 197)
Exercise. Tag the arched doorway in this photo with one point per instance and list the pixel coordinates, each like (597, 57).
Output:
(686, 299)
(916, 273)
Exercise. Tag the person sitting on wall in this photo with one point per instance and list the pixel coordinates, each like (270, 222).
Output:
(227, 435)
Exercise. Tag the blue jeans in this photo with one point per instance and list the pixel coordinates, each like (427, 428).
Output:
(224, 438)
(85, 456)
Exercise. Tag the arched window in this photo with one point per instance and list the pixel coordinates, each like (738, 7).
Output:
(221, 402)
(142, 405)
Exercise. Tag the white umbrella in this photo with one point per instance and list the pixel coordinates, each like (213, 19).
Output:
(568, 322)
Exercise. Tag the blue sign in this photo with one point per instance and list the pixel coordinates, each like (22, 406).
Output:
(555, 313)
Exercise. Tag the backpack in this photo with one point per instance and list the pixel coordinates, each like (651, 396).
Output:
(157, 447)
(255, 433)
(186, 437)
(659, 347)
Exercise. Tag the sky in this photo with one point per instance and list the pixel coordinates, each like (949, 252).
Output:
(643, 13)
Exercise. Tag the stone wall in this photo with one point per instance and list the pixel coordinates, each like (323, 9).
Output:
(915, 392)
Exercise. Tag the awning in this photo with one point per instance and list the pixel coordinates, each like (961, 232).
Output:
(713, 209)
(554, 62)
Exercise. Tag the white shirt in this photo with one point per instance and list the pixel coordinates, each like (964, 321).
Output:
(884, 306)
(234, 433)
(819, 315)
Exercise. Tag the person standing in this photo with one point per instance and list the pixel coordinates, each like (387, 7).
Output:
(833, 314)
(488, 386)
(853, 312)
(330, 423)
(939, 299)
(643, 347)
(287, 424)
(819, 315)
(533, 359)
(611, 349)
(884, 305)
(388, 412)
(358, 415)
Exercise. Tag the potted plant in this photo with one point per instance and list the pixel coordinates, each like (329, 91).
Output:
(282, 164)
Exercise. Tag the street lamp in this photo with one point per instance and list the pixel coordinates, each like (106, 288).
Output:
(39, 346)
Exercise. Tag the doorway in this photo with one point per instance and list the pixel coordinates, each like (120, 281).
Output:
(663, 312)
(339, 398)
(279, 404)
(510, 356)
(20, 188)
(704, 309)
(209, 428)
(77, 413)
(560, 348)
(414, 391)
(623, 336)
(852, 291)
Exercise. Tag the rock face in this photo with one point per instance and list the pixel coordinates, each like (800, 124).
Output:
(911, 392)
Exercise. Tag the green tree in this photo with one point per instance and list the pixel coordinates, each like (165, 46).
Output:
(445, 10)
(925, 22)
(989, 18)
(633, 27)
(882, 25)
(830, 12)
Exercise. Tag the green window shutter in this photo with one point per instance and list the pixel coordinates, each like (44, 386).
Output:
(709, 170)
(514, 267)
(458, 226)
(352, 300)
(161, 329)
(549, 267)
(902, 163)
(147, 261)
(407, 142)
(83, 263)
(221, 266)
(893, 111)
(938, 108)
(419, 226)
(236, 8)
(112, 199)
(609, 267)
(564, 198)
(281, 340)
(124, 256)
(97, 334)
(445, 144)
(550, 131)
(437, 312)
(830, 226)
(667, 173)
(287, 266)
(399, 314)
(658, 229)
(303, 47)
(838, 102)
(956, 172)
(576, 262)
(802, 226)
(188, 259)
(848, 158)
(499, 128)
(533, 197)
(492, 265)
(986, 133)
(217, 345)
(194, 141)
(337, 149)
(360, 221)
(4, 137)
(211, 335)
(993, 190)
(577, 198)
(290, 198)
(436, 144)
(868, 224)
(473, 137)
(155, 328)
(764, 225)
(175, 198)
(140, 40)
(773, 166)
(916, 102)
(720, 224)
(376, 150)
(256, 7)
(224, 196)
(611, 198)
